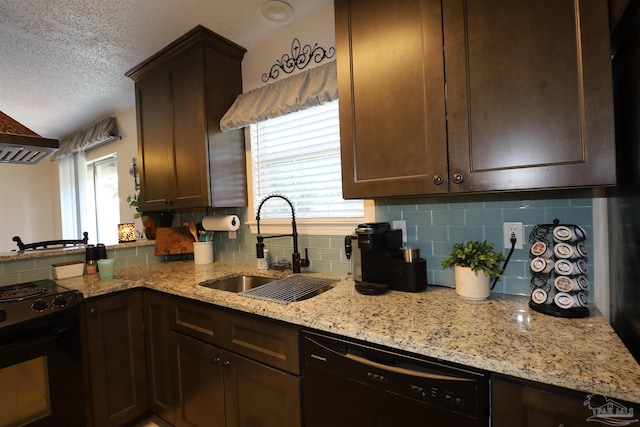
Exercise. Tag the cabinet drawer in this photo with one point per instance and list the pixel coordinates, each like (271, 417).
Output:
(263, 340)
(200, 321)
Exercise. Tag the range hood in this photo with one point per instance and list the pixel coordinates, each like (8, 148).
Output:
(21, 145)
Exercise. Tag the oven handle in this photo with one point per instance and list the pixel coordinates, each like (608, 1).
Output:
(402, 371)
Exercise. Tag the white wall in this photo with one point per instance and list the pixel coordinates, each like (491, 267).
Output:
(30, 195)
(318, 28)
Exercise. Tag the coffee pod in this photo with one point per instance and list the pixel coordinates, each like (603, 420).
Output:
(565, 251)
(562, 233)
(541, 249)
(580, 233)
(565, 267)
(541, 265)
(566, 300)
(583, 283)
(582, 299)
(566, 284)
(581, 266)
(581, 249)
(540, 296)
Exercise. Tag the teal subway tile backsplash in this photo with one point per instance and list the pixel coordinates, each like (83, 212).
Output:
(434, 224)
(479, 217)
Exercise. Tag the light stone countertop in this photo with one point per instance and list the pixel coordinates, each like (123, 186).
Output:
(500, 334)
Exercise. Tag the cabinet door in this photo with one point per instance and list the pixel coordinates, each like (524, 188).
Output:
(115, 342)
(199, 386)
(529, 94)
(159, 368)
(155, 142)
(259, 396)
(172, 134)
(522, 405)
(392, 108)
(189, 131)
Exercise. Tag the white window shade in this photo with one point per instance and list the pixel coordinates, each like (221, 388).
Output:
(92, 136)
(298, 156)
(295, 93)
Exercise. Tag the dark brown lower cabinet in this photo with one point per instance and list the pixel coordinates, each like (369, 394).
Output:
(199, 387)
(158, 351)
(215, 387)
(515, 403)
(258, 395)
(116, 356)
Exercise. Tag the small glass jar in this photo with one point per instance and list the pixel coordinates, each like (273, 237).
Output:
(92, 266)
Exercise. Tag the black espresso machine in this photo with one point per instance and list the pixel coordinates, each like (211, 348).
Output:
(381, 263)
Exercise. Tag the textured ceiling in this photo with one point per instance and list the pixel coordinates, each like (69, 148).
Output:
(63, 61)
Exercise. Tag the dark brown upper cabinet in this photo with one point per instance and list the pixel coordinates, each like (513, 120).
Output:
(461, 96)
(182, 92)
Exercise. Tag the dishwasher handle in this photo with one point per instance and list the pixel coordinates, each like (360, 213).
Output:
(405, 367)
(400, 370)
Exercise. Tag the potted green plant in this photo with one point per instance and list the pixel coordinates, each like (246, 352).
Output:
(474, 264)
(134, 202)
(151, 221)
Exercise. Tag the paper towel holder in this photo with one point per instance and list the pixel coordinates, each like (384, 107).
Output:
(228, 223)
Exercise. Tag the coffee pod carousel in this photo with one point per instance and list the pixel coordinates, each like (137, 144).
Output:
(559, 270)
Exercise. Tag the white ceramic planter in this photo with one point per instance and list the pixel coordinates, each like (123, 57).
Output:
(469, 285)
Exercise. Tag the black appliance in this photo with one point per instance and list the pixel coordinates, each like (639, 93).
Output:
(353, 384)
(41, 375)
(379, 263)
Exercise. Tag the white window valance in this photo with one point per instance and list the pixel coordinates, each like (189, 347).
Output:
(310, 88)
(88, 138)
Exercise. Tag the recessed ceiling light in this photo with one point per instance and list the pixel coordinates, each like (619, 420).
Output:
(277, 11)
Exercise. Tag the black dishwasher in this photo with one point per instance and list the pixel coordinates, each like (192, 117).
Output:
(352, 384)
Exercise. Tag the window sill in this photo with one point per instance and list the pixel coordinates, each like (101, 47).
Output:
(314, 227)
(335, 227)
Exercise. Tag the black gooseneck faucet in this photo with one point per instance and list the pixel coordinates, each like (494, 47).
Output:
(296, 261)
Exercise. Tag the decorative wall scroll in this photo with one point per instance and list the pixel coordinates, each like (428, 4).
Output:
(300, 57)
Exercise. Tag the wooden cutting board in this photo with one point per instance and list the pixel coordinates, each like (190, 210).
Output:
(173, 241)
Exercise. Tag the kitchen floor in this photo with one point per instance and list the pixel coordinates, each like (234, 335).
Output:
(153, 422)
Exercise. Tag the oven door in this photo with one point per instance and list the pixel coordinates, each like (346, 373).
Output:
(41, 375)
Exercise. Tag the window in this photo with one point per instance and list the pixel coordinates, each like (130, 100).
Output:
(103, 203)
(298, 155)
(89, 198)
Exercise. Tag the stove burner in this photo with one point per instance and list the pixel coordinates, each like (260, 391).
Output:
(23, 290)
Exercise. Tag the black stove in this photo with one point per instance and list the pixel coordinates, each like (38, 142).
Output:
(32, 300)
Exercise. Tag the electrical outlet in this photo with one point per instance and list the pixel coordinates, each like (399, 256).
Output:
(402, 225)
(515, 229)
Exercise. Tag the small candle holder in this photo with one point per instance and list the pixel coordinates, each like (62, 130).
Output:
(126, 232)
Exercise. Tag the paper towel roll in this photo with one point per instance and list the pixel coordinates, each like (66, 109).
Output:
(221, 223)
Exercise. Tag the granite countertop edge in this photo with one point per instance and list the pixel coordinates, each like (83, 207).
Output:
(501, 334)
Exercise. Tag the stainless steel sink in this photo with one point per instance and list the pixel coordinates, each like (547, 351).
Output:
(238, 283)
(294, 288)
